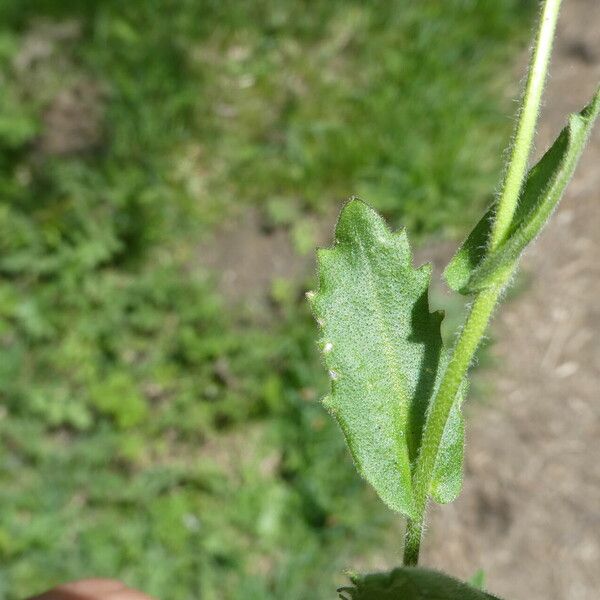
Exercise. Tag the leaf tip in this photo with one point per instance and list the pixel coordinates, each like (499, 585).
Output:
(358, 221)
(591, 111)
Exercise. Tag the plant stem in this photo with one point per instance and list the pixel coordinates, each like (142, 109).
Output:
(523, 140)
(484, 303)
(462, 356)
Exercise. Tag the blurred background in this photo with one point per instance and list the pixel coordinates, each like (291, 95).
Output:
(166, 171)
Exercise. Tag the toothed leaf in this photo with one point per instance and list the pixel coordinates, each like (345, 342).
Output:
(383, 349)
(473, 268)
(411, 583)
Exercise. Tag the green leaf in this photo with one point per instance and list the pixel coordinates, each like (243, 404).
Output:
(446, 481)
(473, 268)
(384, 352)
(410, 583)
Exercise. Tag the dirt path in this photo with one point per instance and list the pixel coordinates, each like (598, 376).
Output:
(530, 511)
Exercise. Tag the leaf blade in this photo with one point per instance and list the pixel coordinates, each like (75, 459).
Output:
(446, 482)
(473, 269)
(410, 583)
(382, 346)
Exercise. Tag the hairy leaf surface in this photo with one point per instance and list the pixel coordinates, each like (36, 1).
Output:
(383, 349)
(446, 481)
(473, 268)
(410, 583)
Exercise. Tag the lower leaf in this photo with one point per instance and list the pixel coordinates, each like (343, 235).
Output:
(384, 353)
(410, 583)
(446, 482)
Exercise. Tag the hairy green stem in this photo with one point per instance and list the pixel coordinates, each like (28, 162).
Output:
(462, 356)
(484, 303)
(525, 132)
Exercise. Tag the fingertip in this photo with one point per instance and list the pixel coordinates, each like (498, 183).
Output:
(85, 589)
(93, 586)
(127, 594)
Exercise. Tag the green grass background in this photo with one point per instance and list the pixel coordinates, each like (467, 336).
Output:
(148, 430)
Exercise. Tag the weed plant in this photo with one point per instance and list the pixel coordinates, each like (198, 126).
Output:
(396, 391)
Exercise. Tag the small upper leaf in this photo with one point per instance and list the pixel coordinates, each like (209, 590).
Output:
(383, 349)
(411, 583)
(474, 268)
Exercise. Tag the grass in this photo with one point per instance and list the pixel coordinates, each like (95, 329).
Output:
(148, 431)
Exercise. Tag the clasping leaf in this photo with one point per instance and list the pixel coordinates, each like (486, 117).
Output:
(474, 268)
(383, 349)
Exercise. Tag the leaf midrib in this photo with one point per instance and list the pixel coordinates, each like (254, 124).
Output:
(392, 360)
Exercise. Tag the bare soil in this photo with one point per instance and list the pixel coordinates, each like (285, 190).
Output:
(74, 103)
